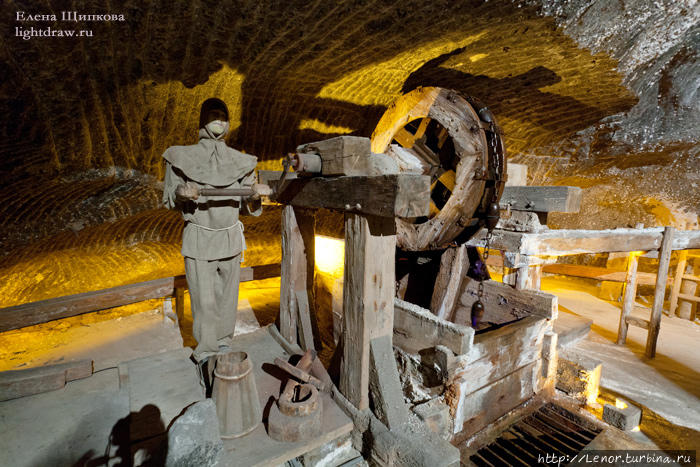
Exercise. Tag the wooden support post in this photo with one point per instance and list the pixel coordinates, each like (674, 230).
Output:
(306, 335)
(527, 275)
(628, 300)
(677, 279)
(180, 304)
(453, 268)
(660, 291)
(368, 298)
(297, 270)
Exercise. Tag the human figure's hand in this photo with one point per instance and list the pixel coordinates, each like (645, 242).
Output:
(260, 189)
(187, 191)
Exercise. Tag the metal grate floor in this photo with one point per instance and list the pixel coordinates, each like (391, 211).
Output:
(550, 430)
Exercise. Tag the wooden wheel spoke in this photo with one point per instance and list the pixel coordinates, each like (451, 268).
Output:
(404, 138)
(421, 128)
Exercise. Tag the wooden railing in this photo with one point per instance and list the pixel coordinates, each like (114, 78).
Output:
(28, 314)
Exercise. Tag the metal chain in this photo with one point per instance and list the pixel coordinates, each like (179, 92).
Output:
(494, 199)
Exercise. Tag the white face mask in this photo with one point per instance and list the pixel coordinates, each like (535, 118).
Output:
(216, 127)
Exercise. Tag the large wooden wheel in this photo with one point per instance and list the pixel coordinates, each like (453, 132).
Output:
(458, 146)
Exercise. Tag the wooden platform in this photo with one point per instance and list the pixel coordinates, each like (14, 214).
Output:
(257, 448)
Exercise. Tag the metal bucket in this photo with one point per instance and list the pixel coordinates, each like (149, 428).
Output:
(235, 395)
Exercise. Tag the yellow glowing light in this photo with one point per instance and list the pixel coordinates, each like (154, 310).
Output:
(636, 428)
(330, 255)
(319, 126)
(477, 57)
(620, 404)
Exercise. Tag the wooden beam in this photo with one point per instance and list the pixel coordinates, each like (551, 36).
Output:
(660, 291)
(542, 198)
(628, 300)
(599, 274)
(387, 396)
(563, 242)
(20, 383)
(306, 335)
(403, 195)
(29, 314)
(503, 303)
(416, 328)
(686, 240)
(297, 270)
(368, 298)
(454, 264)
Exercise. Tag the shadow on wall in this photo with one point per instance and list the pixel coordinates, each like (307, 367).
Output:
(133, 89)
(516, 97)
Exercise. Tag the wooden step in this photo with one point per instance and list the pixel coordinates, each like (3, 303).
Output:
(691, 277)
(571, 328)
(689, 298)
(639, 322)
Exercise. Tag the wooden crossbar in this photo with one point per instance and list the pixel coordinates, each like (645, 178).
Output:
(28, 314)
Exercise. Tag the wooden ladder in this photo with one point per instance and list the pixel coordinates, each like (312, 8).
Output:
(653, 324)
(685, 285)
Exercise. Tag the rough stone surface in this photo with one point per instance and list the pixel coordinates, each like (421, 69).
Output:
(436, 415)
(623, 418)
(578, 376)
(193, 438)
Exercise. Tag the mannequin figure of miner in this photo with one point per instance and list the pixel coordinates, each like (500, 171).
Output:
(212, 240)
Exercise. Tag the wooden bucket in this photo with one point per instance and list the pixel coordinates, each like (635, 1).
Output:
(235, 395)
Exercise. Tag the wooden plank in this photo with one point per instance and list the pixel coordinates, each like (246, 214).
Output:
(659, 291)
(639, 322)
(29, 314)
(686, 240)
(62, 307)
(680, 271)
(503, 304)
(387, 396)
(402, 195)
(629, 297)
(342, 155)
(454, 264)
(563, 242)
(416, 328)
(479, 408)
(496, 354)
(306, 335)
(597, 273)
(20, 383)
(297, 269)
(368, 298)
(688, 297)
(542, 198)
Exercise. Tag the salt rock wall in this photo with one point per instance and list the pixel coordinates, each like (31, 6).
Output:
(641, 165)
(596, 94)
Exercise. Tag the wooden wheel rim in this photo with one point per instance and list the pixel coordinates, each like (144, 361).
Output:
(463, 125)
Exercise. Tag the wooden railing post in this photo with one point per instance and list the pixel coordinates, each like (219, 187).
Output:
(660, 291)
(628, 300)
